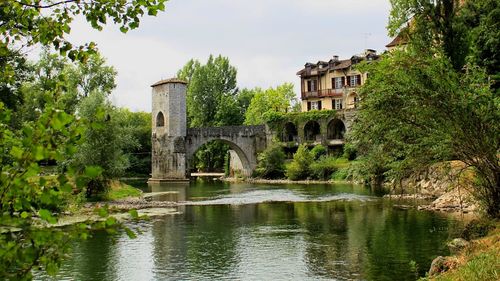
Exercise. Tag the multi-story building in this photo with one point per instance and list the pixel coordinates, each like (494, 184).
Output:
(333, 84)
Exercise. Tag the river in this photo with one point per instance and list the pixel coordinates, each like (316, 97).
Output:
(268, 232)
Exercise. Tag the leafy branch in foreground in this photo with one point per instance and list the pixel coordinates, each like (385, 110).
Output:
(28, 22)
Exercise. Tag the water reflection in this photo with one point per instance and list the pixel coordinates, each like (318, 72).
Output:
(341, 239)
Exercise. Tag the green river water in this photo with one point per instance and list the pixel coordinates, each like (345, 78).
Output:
(268, 232)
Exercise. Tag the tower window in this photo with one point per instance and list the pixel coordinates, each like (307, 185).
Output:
(160, 120)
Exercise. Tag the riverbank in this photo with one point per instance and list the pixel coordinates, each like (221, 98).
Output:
(280, 181)
(476, 260)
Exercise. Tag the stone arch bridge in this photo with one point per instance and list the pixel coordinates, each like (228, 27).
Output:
(174, 145)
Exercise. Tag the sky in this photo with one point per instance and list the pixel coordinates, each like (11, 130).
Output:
(268, 41)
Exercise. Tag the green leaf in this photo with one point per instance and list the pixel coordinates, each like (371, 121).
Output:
(16, 152)
(130, 233)
(110, 221)
(47, 216)
(133, 213)
(102, 212)
(93, 171)
(24, 215)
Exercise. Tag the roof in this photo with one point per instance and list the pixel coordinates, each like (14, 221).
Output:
(167, 81)
(335, 64)
(397, 41)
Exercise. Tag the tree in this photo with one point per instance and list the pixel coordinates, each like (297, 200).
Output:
(26, 197)
(481, 19)
(210, 87)
(271, 163)
(279, 99)
(299, 168)
(430, 23)
(212, 100)
(102, 143)
(29, 22)
(416, 110)
(138, 126)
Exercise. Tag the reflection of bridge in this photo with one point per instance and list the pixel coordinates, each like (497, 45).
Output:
(174, 144)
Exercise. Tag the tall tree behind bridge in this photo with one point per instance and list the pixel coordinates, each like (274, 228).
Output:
(212, 91)
(213, 100)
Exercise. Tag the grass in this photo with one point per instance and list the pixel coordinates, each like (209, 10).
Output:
(479, 262)
(120, 190)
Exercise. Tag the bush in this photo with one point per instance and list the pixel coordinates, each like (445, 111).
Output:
(340, 174)
(349, 152)
(318, 151)
(271, 163)
(324, 168)
(477, 229)
(299, 168)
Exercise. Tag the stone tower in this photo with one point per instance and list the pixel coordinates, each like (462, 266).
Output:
(168, 131)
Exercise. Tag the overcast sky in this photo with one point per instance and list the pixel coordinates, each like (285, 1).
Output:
(268, 41)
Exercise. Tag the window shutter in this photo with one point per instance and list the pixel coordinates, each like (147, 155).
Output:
(333, 104)
(359, 79)
(343, 81)
(349, 81)
(333, 83)
(308, 85)
(308, 106)
(319, 105)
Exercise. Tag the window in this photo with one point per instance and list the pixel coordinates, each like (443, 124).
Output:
(337, 104)
(312, 85)
(338, 82)
(354, 80)
(160, 120)
(315, 105)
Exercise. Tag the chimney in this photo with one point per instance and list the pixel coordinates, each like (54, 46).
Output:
(370, 52)
(335, 58)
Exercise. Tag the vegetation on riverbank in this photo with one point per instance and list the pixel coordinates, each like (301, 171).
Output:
(479, 261)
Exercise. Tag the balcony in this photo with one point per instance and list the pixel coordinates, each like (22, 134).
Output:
(323, 93)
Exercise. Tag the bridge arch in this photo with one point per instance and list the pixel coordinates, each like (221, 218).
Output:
(244, 158)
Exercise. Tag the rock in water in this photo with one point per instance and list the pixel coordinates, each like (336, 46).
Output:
(441, 264)
(456, 245)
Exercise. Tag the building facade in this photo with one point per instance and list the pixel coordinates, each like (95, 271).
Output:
(333, 84)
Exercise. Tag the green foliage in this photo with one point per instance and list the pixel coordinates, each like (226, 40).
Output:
(213, 100)
(482, 267)
(270, 101)
(299, 168)
(31, 22)
(432, 27)
(481, 20)
(350, 152)
(341, 174)
(477, 228)
(416, 111)
(38, 125)
(77, 80)
(122, 191)
(210, 87)
(138, 150)
(323, 168)
(271, 163)
(210, 157)
(277, 120)
(102, 143)
(318, 151)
